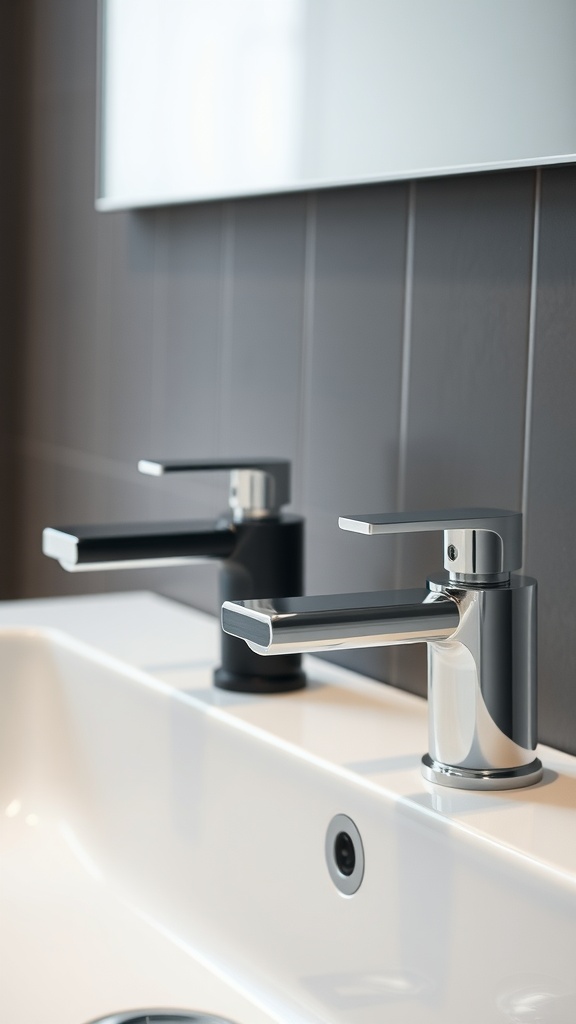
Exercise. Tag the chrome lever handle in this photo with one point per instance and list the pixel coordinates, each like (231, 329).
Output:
(477, 541)
(258, 487)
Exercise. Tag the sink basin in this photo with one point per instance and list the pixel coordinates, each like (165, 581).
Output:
(261, 859)
(85, 743)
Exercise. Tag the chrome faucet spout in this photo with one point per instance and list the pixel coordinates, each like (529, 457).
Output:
(478, 620)
(341, 621)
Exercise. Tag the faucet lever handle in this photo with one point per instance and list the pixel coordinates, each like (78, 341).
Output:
(477, 541)
(258, 487)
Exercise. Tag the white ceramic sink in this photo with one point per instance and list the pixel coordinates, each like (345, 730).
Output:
(86, 756)
(163, 843)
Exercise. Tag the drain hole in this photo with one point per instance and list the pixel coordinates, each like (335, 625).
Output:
(344, 854)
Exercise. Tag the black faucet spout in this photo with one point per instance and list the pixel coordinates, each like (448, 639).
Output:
(255, 556)
(130, 545)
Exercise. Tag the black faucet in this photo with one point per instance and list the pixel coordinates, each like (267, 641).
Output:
(261, 551)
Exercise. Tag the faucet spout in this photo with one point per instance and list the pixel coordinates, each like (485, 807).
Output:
(341, 621)
(135, 545)
(119, 546)
(258, 547)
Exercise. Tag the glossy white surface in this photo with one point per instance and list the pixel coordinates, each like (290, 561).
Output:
(162, 842)
(241, 97)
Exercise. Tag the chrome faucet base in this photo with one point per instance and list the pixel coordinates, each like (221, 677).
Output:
(481, 779)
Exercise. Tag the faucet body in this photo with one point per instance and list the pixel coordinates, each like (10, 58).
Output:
(267, 557)
(259, 551)
(482, 687)
(480, 629)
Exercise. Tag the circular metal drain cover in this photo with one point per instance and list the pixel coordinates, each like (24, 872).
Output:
(344, 854)
(160, 1017)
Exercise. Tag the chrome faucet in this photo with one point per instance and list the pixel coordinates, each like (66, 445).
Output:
(260, 549)
(478, 621)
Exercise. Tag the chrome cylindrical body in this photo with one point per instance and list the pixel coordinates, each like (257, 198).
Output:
(482, 688)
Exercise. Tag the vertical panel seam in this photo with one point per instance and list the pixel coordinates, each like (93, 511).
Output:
(406, 345)
(406, 366)
(528, 409)
(103, 327)
(224, 365)
(158, 397)
(308, 309)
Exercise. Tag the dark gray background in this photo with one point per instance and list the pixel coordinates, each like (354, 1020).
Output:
(406, 345)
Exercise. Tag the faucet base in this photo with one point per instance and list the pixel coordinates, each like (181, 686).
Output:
(241, 682)
(481, 779)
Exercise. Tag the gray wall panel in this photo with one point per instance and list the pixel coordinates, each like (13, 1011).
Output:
(468, 360)
(61, 253)
(469, 346)
(187, 331)
(352, 388)
(552, 469)
(14, 88)
(355, 353)
(126, 332)
(262, 330)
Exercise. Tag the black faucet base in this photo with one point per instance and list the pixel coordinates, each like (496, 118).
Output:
(267, 559)
(240, 682)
